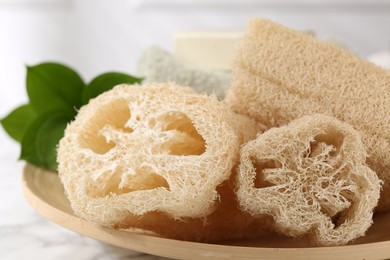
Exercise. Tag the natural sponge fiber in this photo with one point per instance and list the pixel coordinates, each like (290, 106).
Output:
(312, 178)
(157, 150)
(281, 74)
(227, 222)
(158, 65)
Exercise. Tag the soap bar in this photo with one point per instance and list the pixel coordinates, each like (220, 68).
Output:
(211, 49)
(381, 59)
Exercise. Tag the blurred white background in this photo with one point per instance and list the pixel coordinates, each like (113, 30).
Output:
(96, 36)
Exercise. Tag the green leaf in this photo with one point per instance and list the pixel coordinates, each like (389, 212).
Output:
(16, 123)
(39, 145)
(106, 82)
(52, 86)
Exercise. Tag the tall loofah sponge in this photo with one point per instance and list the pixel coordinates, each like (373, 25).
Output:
(139, 152)
(281, 74)
(312, 178)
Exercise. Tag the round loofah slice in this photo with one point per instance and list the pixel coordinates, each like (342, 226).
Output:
(138, 150)
(312, 178)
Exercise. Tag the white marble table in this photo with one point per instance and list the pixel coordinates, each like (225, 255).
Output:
(24, 234)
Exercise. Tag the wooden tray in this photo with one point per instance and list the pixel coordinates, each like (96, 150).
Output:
(46, 195)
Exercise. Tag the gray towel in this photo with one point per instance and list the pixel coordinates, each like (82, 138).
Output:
(158, 65)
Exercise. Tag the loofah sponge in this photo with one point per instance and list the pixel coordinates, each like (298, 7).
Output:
(137, 153)
(227, 222)
(312, 178)
(157, 65)
(281, 74)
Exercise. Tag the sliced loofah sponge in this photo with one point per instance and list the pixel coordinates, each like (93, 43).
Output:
(158, 65)
(281, 74)
(312, 178)
(227, 222)
(139, 152)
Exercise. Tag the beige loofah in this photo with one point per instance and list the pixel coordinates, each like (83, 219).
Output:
(281, 74)
(138, 153)
(227, 222)
(312, 178)
(158, 65)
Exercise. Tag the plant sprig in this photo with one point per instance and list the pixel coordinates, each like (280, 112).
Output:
(55, 92)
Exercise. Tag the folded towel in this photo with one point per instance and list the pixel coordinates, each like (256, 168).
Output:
(158, 65)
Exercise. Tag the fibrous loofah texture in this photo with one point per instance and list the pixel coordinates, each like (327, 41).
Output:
(142, 149)
(158, 65)
(227, 222)
(281, 74)
(312, 178)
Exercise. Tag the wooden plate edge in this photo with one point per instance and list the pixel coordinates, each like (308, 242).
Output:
(192, 250)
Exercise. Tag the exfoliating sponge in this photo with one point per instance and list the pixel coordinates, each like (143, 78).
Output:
(311, 177)
(145, 156)
(158, 65)
(281, 74)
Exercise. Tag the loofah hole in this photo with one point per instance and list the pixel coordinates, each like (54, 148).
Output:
(260, 168)
(335, 213)
(91, 137)
(121, 182)
(337, 220)
(185, 139)
(327, 144)
(144, 179)
(152, 123)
